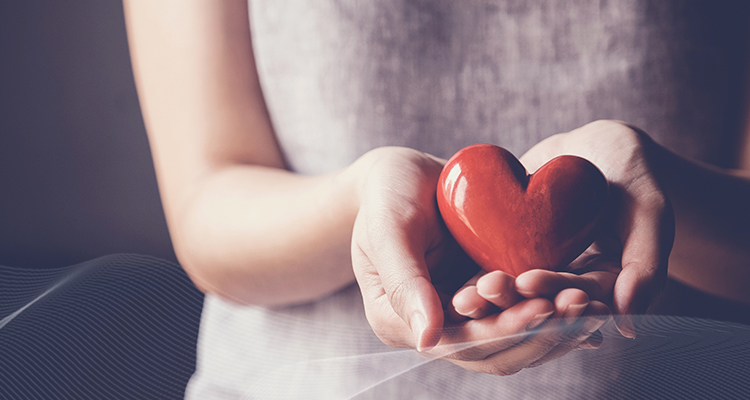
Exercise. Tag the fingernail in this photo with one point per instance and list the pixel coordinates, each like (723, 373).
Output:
(501, 298)
(625, 326)
(470, 313)
(573, 312)
(418, 327)
(538, 320)
(489, 296)
(586, 346)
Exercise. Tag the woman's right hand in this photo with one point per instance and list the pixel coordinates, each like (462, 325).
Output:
(399, 239)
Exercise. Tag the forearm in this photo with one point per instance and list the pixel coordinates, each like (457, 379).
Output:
(712, 211)
(267, 236)
(242, 226)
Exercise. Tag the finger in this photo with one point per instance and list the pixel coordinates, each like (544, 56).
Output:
(539, 282)
(407, 284)
(498, 288)
(386, 325)
(397, 257)
(476, 339)
(468, 303)
(561, 337)
(451, 315)
(647, 241)
(592, 342)
(508, 361)
(583, 334)
(570, 304)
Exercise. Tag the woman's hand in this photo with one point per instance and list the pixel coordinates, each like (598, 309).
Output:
(627, 265)
(399, 250)
(397, 238)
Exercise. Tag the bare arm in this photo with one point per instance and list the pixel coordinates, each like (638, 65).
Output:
(712, 209)
(242, 226)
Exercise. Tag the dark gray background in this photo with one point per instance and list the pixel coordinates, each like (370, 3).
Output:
(76, 177)
(77, 183)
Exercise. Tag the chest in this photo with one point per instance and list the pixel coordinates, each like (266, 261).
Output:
(344, 76)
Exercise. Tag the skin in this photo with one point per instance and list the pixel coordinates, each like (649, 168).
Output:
(252, 232)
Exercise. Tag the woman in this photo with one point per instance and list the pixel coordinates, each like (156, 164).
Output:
(282, 186)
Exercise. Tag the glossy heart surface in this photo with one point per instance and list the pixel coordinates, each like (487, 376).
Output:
(508, 220)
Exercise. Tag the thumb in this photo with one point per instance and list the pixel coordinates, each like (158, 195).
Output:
(647, 243)
(399, 260)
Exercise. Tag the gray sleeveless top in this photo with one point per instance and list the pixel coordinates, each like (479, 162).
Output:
(341, 77)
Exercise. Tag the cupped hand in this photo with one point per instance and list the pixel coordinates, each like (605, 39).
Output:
(397, 238)
(627, 264)
(579, 306)
(399, 249)
(526, 334)
(594, 273)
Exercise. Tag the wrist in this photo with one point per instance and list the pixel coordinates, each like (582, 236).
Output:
(352, 179)
(360, 172)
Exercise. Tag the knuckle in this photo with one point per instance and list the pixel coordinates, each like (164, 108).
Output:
(656, 201)
(392, 222)
(398, 294)
(386, 333)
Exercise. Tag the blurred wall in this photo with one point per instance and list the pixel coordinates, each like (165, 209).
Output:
(76, 177)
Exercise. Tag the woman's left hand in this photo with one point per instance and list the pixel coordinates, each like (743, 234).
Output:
(626, 267)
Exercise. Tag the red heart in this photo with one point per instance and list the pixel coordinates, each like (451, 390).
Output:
(508, 220)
